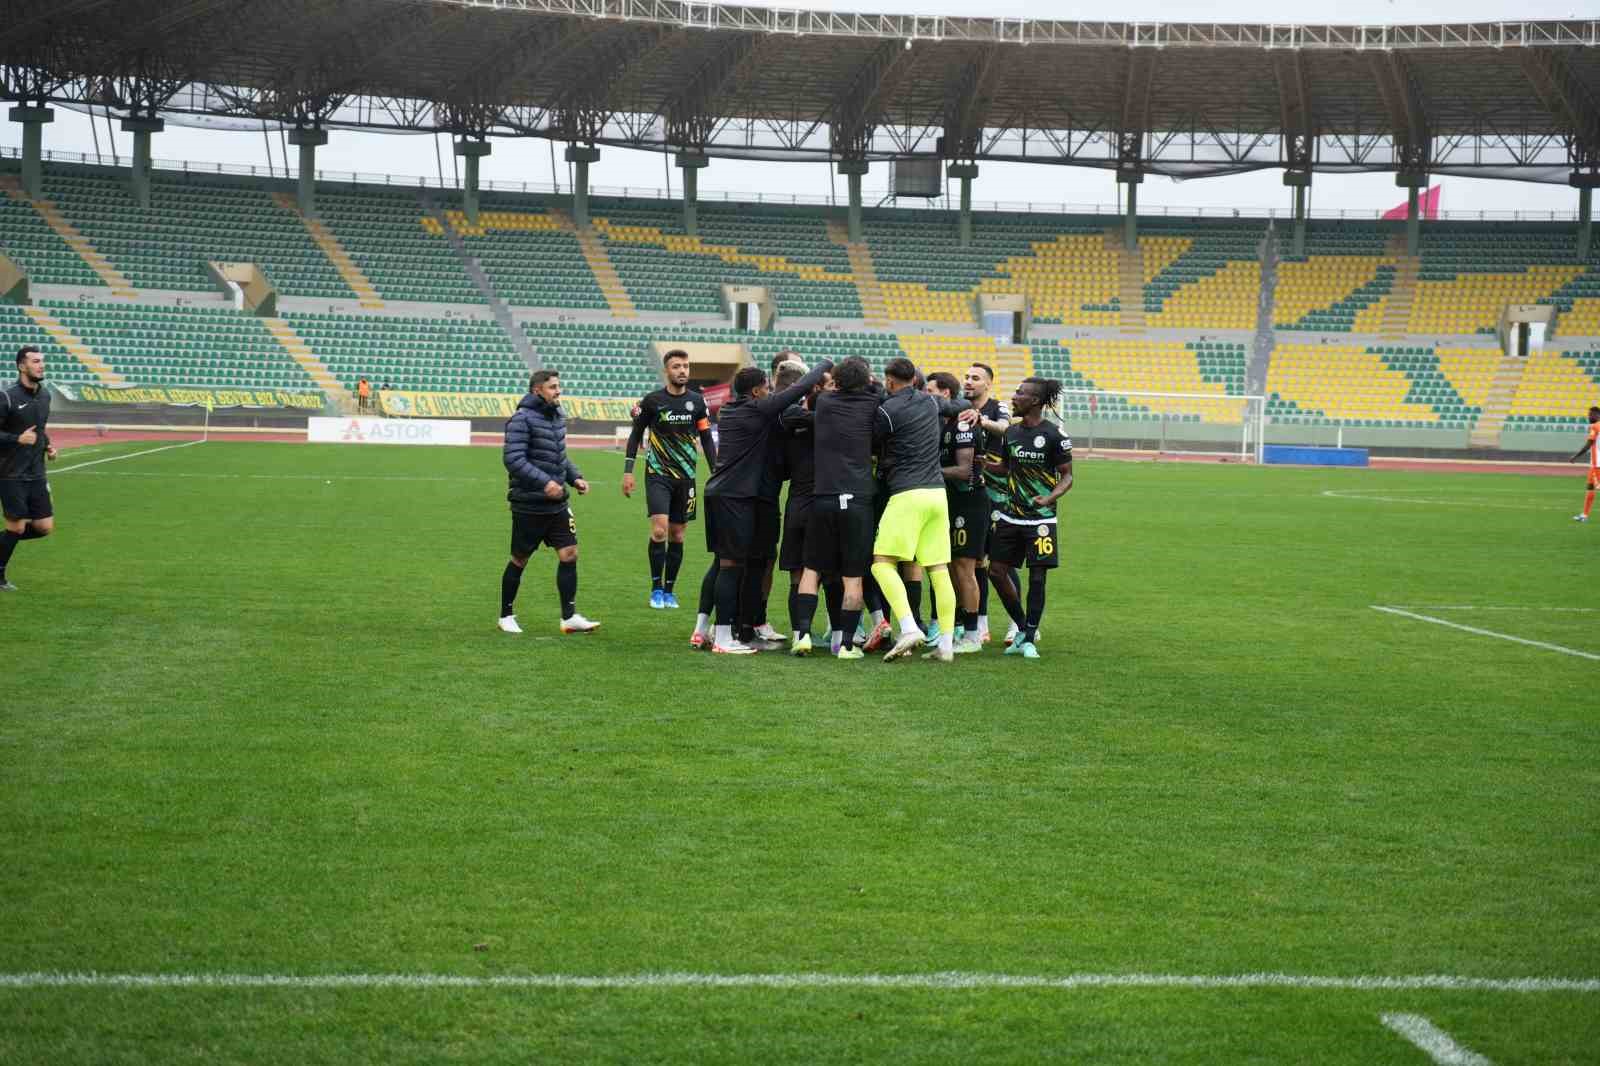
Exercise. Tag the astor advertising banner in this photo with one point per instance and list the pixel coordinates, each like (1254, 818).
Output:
(388, 431)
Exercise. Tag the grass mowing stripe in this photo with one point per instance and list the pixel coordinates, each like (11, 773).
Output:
(950, 980)
(1563, 649)
(1434, 1042)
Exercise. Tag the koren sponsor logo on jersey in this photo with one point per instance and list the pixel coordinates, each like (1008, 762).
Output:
(388, 431)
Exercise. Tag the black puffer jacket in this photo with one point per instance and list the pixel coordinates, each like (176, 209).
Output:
(535, 454)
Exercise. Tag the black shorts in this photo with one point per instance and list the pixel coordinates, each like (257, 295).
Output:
(1033, 545)
(969, 524)
(839, 538)
(742, 528)
(671, 496)
(796, 520)
(557, 529)
(26, 499)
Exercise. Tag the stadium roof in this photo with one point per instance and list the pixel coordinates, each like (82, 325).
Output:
(1503, 99)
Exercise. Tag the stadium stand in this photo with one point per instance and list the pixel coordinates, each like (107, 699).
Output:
(29, 240)
(1352, 348)
(413, 352)
(1381, 386)
(188, 223)
(17, 328)
(404, 261)
(508, 238)
(1200, 368)
(1557, 388)
(149, 345)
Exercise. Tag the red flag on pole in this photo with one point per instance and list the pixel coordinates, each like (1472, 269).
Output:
(1427, 203)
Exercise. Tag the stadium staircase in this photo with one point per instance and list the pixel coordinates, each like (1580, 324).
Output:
(324, 239)
(1130, 281)
(1255, 378)
(1403, 291)
(475, 271)
(109, 275)
(874, 311)
(74, 346)
(599, 260)
(1497, 405)
(297, 349)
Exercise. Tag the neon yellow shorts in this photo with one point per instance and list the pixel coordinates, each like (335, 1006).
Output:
(915, 527)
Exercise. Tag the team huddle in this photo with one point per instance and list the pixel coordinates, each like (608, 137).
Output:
(892, 485)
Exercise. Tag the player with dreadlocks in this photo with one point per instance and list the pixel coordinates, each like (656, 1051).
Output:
(1037, 465)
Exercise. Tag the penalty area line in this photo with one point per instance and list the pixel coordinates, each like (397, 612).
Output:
(1487, 632)
(130, 455)
(1433, 1041)
(929, 981)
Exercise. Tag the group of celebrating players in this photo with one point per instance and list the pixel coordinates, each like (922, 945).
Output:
(891, 484)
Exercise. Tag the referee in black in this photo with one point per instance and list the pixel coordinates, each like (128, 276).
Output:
(24, 447)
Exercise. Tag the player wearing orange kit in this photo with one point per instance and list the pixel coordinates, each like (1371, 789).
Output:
(1592, 446)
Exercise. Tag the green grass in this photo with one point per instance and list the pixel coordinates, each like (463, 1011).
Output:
(260, 722)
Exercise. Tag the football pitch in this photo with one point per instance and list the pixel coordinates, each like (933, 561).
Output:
(275, 789)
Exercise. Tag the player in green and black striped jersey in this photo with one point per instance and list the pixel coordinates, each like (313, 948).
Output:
(994, 419)
(673, 418)
(1037, 464)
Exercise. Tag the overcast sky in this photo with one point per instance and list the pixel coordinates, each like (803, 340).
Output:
(517, 161)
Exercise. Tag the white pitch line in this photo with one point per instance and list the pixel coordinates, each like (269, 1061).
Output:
(1478, 607)
(932, 981)
(1488, 632)
(1338, 495)
(1437, 1044)
(130, 455)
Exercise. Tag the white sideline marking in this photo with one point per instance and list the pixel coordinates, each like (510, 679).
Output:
(130, 455)
(1434, 1041)
(1487, 632)
(1475, 607)
(1338, 495)
(949, 980)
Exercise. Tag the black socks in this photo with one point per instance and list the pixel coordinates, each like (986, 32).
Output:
(914, 598)
(658, 562)
(674, 561)
(803, 611)
(1036, 579)
(510, 581)
(567, 588)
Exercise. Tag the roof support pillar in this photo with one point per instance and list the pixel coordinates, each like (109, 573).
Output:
(308, 139)
(1300, 182)
(471, 152)
(33, 121)
(1585, 181)
(580, 156)
(965, 172)
(691, 163)
(854, 170)
(1130, 220)
(141, 126)
(1413, 183)
(1585, 221)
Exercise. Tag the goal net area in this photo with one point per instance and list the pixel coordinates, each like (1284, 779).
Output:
(1166, 423)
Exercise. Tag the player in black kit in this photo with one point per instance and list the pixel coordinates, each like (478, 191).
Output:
(969, 512)
(995, 420)
(1038, 468)
(24, 448)
(672, 417)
